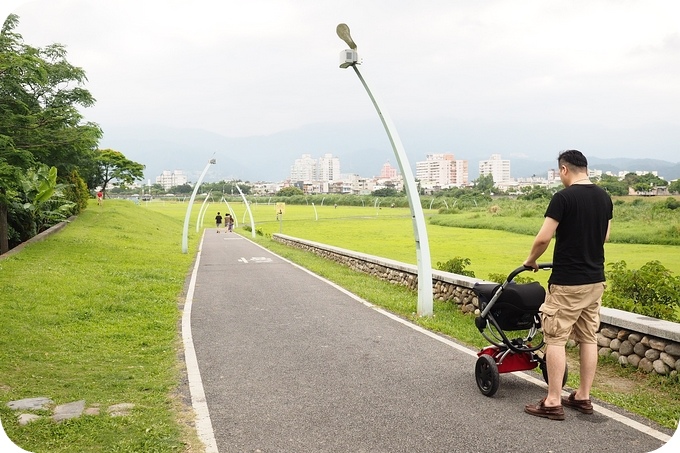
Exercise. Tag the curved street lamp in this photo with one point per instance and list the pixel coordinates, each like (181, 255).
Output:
(185, 231)
(350, 57)
(250, 213)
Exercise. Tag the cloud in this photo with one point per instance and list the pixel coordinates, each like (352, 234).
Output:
(266, 66)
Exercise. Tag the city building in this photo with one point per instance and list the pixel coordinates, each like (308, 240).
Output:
(496, 167)
(308, 169)
(304, 169)
(388, 171)
(169, 179)
(328, 168)
(441, 171)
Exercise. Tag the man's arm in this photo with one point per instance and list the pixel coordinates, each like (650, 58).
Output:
(541, 242)
(609, 227)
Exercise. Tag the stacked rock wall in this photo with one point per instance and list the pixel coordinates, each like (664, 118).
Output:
(646, 352)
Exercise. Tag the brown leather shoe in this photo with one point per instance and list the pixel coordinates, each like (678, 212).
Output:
(541, 410)
(583, 406)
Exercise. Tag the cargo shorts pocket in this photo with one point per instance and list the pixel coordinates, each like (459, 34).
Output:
(550, 322)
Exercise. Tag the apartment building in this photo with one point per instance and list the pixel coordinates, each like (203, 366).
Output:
(439, 171)
(497, 167)
(169, 179)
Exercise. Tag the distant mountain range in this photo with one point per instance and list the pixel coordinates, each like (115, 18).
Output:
(667, 170)
(363, 148)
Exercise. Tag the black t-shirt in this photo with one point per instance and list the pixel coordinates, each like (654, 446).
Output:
(583, 212)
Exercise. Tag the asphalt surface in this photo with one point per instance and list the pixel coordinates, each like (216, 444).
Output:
(290, 363)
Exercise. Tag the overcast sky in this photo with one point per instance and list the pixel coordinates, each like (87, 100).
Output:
(257, 67)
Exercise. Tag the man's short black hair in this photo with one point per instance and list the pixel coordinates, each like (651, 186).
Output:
(572, 157)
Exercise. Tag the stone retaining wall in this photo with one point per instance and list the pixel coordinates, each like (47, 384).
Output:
(642, 342)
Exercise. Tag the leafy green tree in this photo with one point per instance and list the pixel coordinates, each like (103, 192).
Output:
(674, 187)
(644, 183)
(484, 183)
(228, 187)
(613, 185)
(536, 193)
(115, 168)
(40, 123)
(289, 191)
(184, 188)
(386, 192)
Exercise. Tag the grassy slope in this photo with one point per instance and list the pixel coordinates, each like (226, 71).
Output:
(92, 314)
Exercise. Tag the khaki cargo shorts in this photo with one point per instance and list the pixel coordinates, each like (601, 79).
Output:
(571, 311)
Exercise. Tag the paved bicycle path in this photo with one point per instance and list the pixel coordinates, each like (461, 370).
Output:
(291, 363)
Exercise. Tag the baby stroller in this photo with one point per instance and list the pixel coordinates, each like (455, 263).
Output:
(504, 308)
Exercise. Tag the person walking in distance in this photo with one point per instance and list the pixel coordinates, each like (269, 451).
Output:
(229, 223)
(579, 216)
(218, 221)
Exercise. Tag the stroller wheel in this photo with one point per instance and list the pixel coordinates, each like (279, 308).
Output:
(486, 374)
(544, 370)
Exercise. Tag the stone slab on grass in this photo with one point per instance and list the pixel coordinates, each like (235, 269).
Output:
(30, 404)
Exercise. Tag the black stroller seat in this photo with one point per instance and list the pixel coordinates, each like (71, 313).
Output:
(517, 306)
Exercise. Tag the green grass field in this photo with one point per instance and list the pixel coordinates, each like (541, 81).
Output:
(490, 251)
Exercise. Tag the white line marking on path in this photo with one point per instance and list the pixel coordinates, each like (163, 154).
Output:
(604, 411)
(204, 426)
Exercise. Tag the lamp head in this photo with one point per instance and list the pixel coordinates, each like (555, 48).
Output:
(343, 32)
(348, 57)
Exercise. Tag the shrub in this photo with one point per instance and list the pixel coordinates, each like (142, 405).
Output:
(671, 203)
(76, 191)
(258, 231)
(456, 266)
(500, 278)
(650, 290)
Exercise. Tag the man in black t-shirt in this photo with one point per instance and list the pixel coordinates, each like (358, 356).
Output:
(579, 216)
(218, 221)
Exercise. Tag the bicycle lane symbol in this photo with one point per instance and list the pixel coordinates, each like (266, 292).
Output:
(255, 260)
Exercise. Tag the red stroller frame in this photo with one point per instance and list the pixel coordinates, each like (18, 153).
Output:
(509, 307)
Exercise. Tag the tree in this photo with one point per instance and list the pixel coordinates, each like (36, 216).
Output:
(674, 187)
(613, 185)
(644, 183)
(535, 193)
(184, 188)
(40, 123)
(289, 191)
(115, 168)
(386, 192)
(484, 183)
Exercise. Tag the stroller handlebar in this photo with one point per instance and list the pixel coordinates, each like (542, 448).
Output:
(523, 268)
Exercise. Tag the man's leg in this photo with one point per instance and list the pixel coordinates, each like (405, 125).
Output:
(588, 357)
(556, 359)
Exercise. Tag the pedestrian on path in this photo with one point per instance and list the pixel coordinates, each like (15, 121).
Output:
(218, 221)
(229, 223)
(579, 216)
